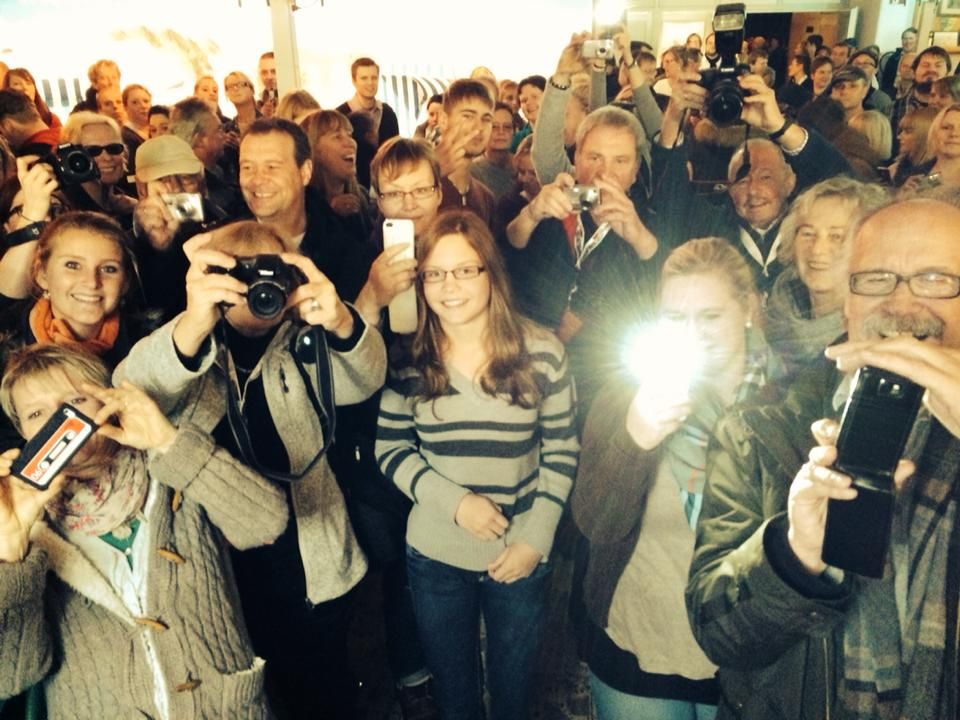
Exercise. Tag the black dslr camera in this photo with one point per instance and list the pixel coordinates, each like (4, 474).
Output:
(72, 165)
(725, 99)
(269, 283)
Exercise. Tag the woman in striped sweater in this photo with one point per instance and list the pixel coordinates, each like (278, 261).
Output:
(478, 431)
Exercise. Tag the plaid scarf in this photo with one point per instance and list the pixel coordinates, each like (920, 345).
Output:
(687, 447)
(896, 669)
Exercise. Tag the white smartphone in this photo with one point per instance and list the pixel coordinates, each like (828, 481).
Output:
(403, 308)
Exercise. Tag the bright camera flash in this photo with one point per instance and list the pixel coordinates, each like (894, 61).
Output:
(665, 353)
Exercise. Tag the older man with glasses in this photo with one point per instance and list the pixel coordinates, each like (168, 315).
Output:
(793, 636)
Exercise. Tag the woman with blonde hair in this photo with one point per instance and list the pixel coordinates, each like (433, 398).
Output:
(72, 289)
(240, 92)
(875, 127)
(943, 146)
(641, 480)
(914, 156)
(117, 597)
(296, 105)
(804, 313)
(477, 429)
(101, 137)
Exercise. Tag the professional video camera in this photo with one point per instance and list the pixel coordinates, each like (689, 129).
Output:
(725, 99)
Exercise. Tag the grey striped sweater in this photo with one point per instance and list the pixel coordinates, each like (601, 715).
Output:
(467, 441)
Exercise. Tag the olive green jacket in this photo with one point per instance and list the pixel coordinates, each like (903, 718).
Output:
(775, 646)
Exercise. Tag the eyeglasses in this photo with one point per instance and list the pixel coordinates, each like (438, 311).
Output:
(878, 283)
(465, 272)
(236, 85)
(418, 193)
(111, 149)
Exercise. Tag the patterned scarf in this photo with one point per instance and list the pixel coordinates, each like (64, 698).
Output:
(896, 669)
(790, 327)
(49, 330)
(686, 449)
(98, 506)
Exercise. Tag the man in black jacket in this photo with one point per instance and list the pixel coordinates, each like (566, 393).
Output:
(365, 74)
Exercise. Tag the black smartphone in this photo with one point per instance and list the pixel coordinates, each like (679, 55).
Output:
(876, 423)
(49, 451)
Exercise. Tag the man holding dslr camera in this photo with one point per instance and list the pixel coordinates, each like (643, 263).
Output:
(794, 637)
(762, 174)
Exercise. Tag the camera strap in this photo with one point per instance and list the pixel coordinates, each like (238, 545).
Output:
(308, 346)
(585, 249)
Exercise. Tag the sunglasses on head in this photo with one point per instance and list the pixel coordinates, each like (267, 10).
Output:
(111, 149)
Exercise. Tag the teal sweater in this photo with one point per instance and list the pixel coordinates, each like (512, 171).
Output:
(467, 441)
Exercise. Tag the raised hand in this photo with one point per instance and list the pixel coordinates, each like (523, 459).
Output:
(206, 290)
(815, 484)
(317, 301)
(140, 423)
(20, 506)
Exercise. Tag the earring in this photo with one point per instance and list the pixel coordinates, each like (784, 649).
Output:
(46, 294)
(748, 324)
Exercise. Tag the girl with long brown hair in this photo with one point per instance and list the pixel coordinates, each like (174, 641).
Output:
(478, 431)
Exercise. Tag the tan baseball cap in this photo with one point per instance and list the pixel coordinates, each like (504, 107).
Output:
(166, 155)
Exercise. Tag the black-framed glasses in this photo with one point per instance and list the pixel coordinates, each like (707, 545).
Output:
(418, 193)
(877, 283)
(465, 272)
(111, 149)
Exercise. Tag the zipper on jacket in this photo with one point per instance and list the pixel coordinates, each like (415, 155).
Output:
(828, 679)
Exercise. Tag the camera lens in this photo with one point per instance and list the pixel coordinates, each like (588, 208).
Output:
(78, 163)
(266, 299)
(725, 103)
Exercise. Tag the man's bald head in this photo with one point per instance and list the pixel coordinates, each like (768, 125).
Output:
(907, 238)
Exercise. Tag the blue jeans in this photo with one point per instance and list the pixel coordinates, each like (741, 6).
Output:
(615, 705)
(448, 602)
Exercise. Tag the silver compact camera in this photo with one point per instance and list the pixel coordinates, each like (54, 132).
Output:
(598, 49)
(583, 197)
(184, 206)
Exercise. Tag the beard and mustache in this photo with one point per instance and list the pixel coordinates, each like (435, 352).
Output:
(884, 324)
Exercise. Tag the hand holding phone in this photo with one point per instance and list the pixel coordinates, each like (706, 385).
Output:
(51, 449)
(877, 421)
(402, 310)
(20, 507)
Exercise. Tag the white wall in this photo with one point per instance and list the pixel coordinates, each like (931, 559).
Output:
(882, 22)
(165, 44)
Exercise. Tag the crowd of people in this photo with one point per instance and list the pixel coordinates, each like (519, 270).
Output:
(636, 324)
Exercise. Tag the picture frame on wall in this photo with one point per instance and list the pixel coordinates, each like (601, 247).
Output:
(950, 7)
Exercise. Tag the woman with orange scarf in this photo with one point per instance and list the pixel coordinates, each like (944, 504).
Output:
(81, 272)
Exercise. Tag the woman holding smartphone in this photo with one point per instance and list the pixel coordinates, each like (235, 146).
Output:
(119, 602)
(640, 486)
(477, 429)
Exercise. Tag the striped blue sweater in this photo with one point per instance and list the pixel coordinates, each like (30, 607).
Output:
(467, 441)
